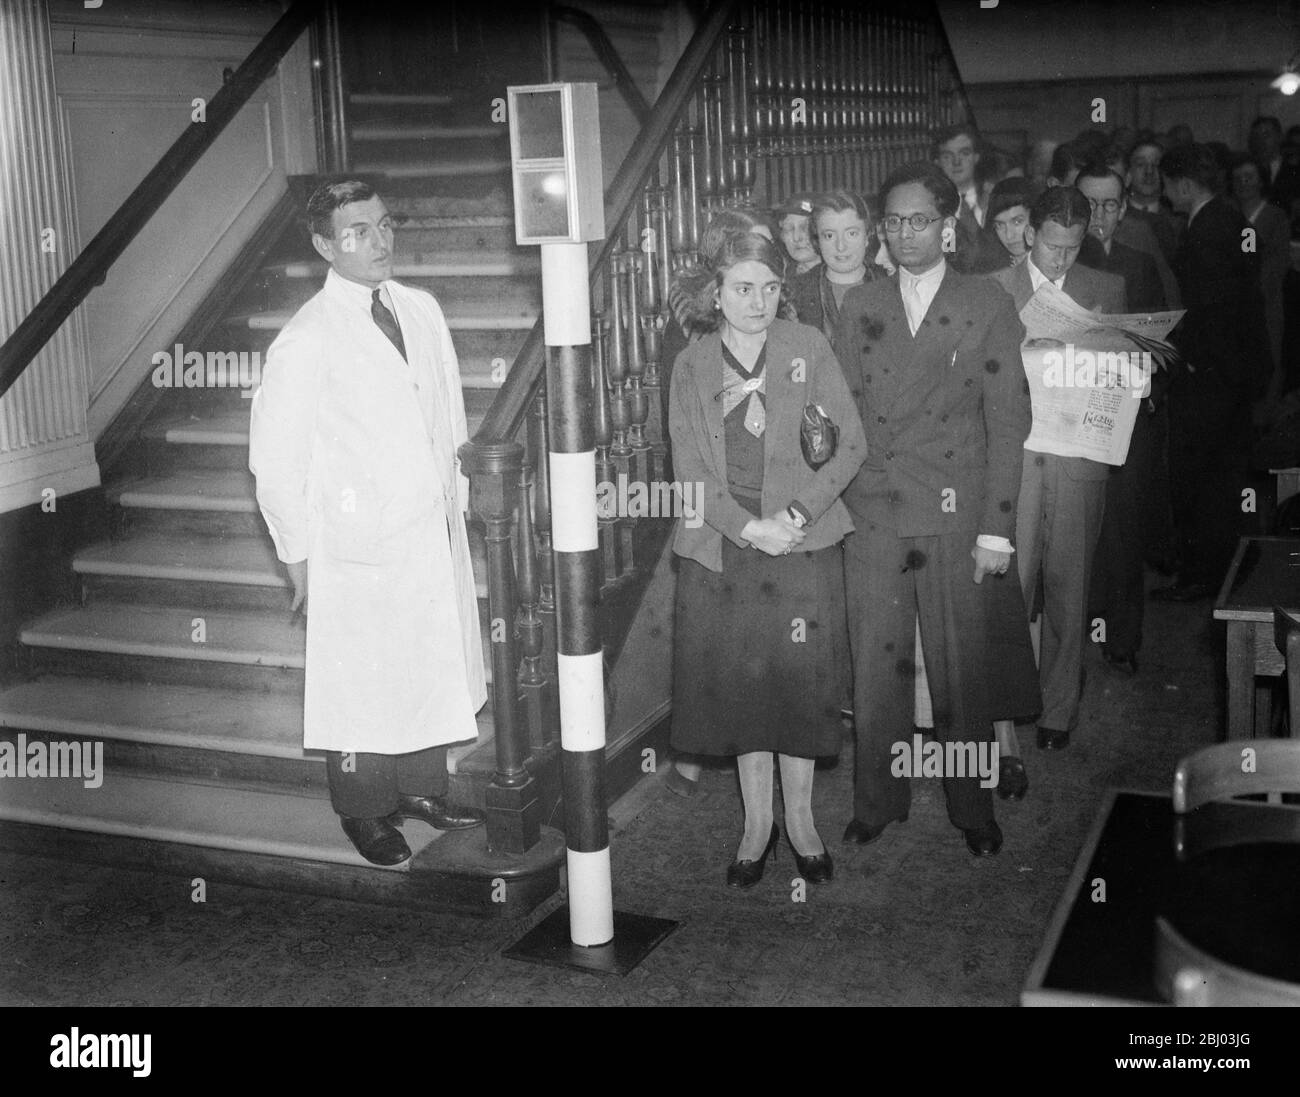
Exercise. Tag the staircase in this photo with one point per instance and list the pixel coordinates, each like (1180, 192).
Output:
(180, 654)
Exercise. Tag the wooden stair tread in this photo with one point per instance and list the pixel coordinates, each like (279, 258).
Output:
(416, 131)
(275, 319)
(249, 638)
(435, 169)
(227, 428)
(251, 722)
(246, 560)
(398, 99)
(447, 265)
(216, 815)
(218, 489)
(200, 717)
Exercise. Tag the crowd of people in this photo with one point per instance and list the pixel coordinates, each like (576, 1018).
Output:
(927, 570)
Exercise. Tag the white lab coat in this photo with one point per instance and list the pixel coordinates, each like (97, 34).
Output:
(354, 452)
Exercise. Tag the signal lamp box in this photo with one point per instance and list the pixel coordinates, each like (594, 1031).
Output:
(555, 164)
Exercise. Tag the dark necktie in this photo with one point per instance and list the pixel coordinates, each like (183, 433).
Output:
(387, 323)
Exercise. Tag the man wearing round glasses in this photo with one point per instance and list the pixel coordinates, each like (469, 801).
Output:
(933, 360)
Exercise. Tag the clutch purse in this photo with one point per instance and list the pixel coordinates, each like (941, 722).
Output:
(818, 436)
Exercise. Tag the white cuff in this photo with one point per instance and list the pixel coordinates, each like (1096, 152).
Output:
(993, 544)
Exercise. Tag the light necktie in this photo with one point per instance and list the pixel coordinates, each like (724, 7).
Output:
(387, 323)
(912, 304)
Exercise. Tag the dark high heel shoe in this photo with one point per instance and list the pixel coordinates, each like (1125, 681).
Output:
(745, 874)
(817, 869)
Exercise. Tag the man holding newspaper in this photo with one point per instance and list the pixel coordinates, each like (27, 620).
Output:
(1087, 372)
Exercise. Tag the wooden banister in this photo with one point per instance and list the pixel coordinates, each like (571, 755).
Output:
(507, 412)
(91, 267)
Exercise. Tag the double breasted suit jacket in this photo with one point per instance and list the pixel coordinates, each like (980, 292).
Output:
(1090, 288)
(799, 370)
(946, 412)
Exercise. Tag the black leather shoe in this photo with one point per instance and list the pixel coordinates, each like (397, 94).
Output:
(862, 833)
(1051, 739)
(817, 869)
(1183, 592)
(984, 841)
(377, 840)
(437, 812)
(1013, 782)
(1126, 665)
(745, 874)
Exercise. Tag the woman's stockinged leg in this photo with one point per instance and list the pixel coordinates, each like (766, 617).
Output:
(796, 789)
(756, 791)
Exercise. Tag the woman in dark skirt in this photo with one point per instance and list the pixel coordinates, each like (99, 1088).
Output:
(761, 659)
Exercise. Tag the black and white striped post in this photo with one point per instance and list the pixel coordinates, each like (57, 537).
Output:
(561, 198)
(566, 304)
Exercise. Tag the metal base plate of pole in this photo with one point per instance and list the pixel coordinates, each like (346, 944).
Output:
(635, 937)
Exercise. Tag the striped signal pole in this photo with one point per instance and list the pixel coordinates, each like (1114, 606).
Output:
(559, 205)
(566, 304)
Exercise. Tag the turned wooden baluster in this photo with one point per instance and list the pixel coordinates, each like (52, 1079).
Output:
(606, 470)
(679, 154)
(512, 807)
(740, 164)
(637, 401)
(616, 361)
(654, 268)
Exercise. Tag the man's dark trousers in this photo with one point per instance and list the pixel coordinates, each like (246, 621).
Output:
(891, 580)
(371, 791)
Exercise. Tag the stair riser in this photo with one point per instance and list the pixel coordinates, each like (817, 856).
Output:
(443, 150)
(166, 457)
(183, 672)
(495, 200)
(462, 189)
(214, 523)
(303, 775)
(428, 243)
(199, 596)
(425, 891)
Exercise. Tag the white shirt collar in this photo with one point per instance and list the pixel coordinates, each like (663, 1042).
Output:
(1198, 207)
(922, 282)
(1037, 277)
(357, 294)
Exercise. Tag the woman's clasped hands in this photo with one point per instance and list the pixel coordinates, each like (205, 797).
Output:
(777, 536)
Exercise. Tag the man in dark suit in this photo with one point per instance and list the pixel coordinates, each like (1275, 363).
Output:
(957, 150)
(1147, 205)
(1224, 342)
(1118, 595)
(933, 360)
(1061, 498)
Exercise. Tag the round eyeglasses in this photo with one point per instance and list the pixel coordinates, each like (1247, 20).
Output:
(919, 222)
(1107, 205)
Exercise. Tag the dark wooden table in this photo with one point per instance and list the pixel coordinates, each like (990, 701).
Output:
(1235, 896)
(1265, 572)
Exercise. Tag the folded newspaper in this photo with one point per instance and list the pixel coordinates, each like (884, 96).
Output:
(1088, 373)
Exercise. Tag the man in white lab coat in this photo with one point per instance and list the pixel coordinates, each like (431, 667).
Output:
(353, 442)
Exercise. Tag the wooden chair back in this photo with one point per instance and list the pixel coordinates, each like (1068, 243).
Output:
(1236, 768)
(1189, 976)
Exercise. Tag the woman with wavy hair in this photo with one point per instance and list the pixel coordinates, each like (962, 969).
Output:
(844, 234)
(685, 324)
(760, 662)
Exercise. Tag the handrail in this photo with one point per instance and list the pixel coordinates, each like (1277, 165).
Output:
(607, 54)
(507, 412)
(91, 267)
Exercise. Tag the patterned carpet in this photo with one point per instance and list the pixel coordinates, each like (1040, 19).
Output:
(910, 920)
